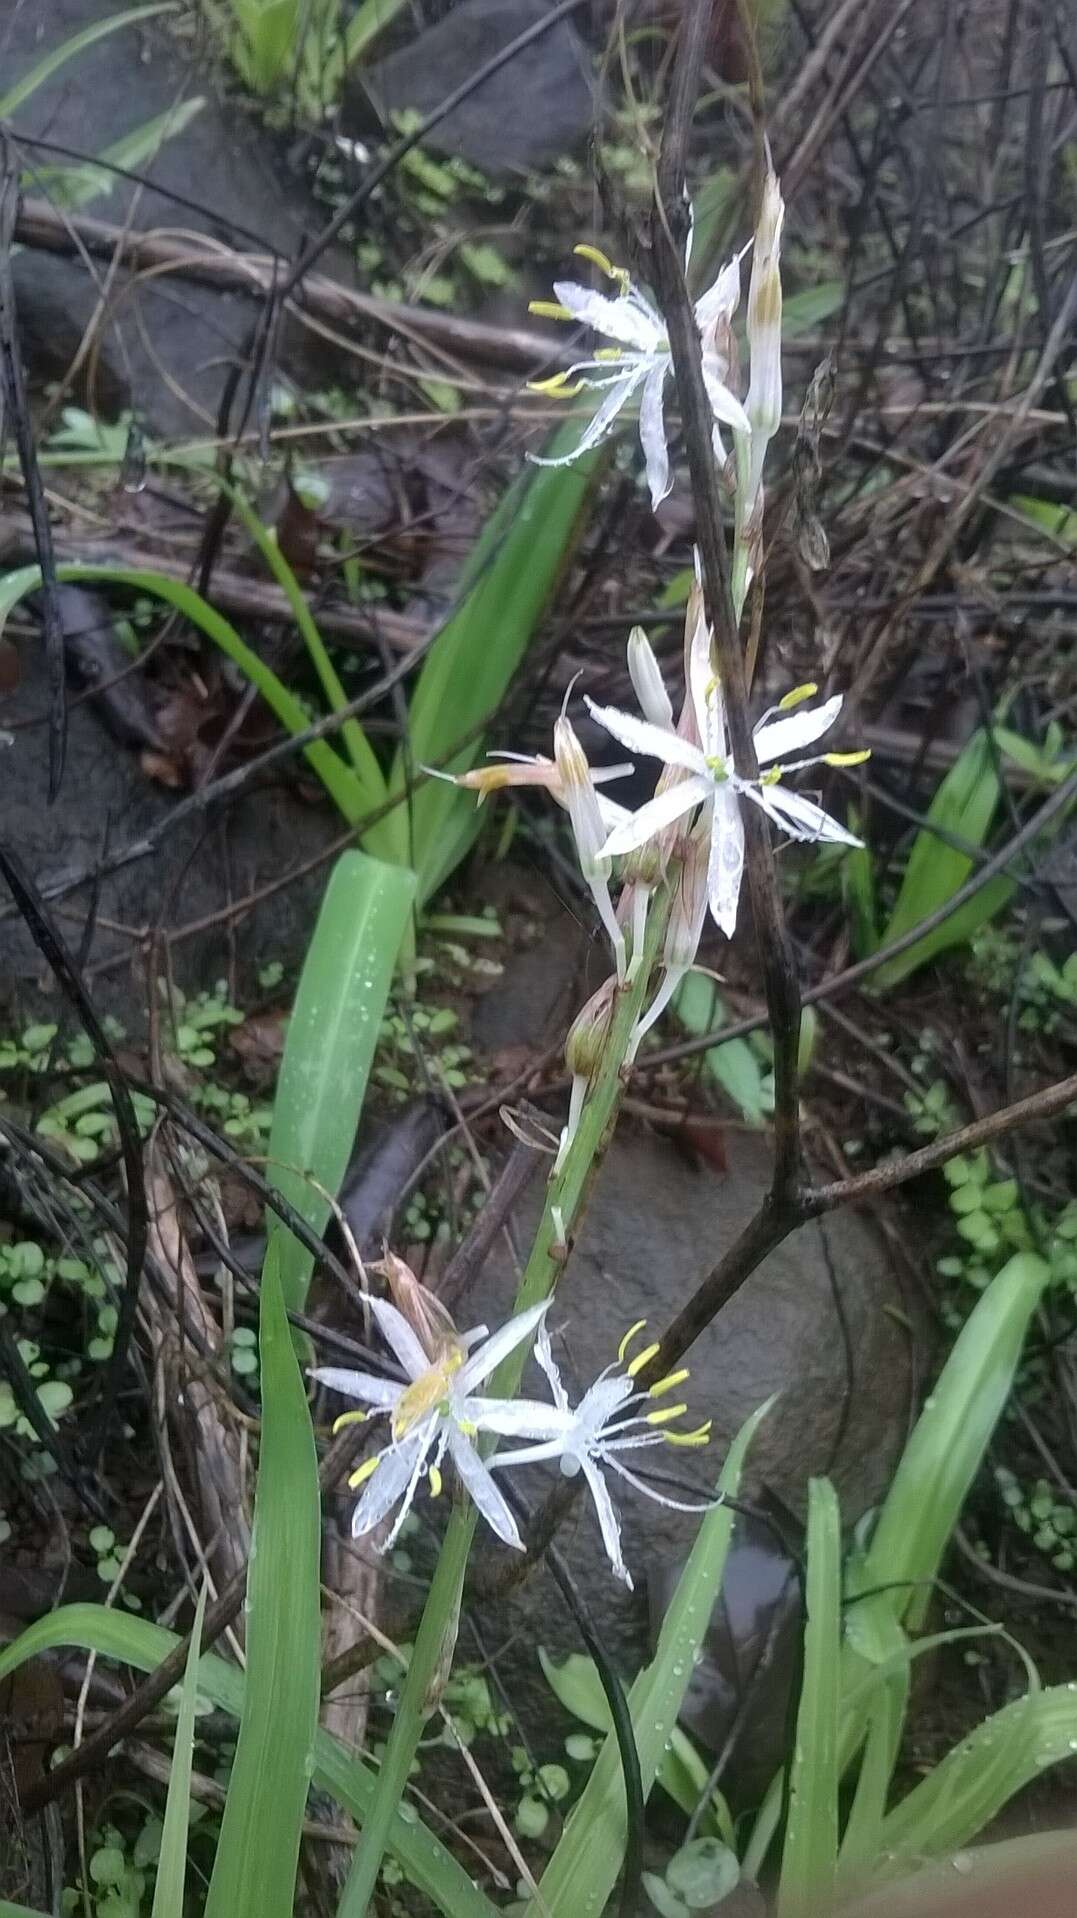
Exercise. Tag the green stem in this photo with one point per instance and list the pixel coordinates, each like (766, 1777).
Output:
(565, 1198)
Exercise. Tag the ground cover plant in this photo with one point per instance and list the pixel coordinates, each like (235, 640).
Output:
(650, 635)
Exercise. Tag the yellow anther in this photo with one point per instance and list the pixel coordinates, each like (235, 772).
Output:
(366, 1470)
(628, 1338)
(349, 1418)
(701, 1436)
(643, 1358)
(467, 1428)
(797, 697)
(608, 353)
(847, 759)
(771, 776)
(548, 310)
(667, 1384)
(604, 264)
(556, 387)
(436, 1482)
(667, 1412)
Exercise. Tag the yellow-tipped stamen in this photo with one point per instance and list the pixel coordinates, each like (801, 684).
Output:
(701, 1436)
(604, 264)
(349, 1418)
(666, 1412)
(467, 1428)
(556, 387)
(366, 1470)
(667, 1384)
(772, 776)
(609, 353)
(643, 1358)
(622, 1349)
(436, 1482)
(797, 697)
(548, 310)
(847, 759)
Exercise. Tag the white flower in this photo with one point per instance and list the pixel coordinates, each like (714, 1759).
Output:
(713, 783)
(595, 1437)
(435, 1412)
(638, 362)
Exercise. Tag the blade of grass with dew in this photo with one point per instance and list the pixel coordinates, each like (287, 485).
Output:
(77, 186)
(338, 779)
(172, 1858)
(505, 588)
(329, 1049)
(258, 1849)
(810, 1851)
(69, 49)
(964, 805)
(583, 1870)
(347, 1778)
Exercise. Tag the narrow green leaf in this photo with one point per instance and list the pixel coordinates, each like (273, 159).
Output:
(69, 49)
(8, 1910)
(734, 1066)
(258, 1849)
(332, 1036)
(583, 1870)
(803, 311)
(809, 1855)
(337, 778)
(369, 20)
(77, 186)
(172, 1859)
(1061, 521)
(964, 805)
(348, 1779)
(267, 32)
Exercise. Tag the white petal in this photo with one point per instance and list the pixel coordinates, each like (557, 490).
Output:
(481, 1363)
(517, 1418)
(658, 813)
(641, 737)
(397, 1333)
(483, 1492)
(674, 1504)
(652, 435)
(725, 405)
(705, 689)
(382, 1393)
(722, 297)
(601, 422)
(801, 818)
(629, 321)
(795, 730)
(647, 682)
(531, 1454)
(545, 1358)
(609, 1524)
(612, 814)
(395, 1471)
(726, 865)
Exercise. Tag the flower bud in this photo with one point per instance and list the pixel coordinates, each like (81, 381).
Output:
(589, 1031)
(763, 403)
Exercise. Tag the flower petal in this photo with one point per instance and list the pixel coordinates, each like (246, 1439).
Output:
(652, 435)
(725, 405)
(795, 730)
(382, 1393)
(722, 297)
(396, 1471)
(641, 737)
(599, 425)
(481, 1363)
(658, 813)
(517, 1418)
(545, 1358)
(398, 1334)
(609, 1523)
(483, 1492)
(647, 681)
(801, 818)
(629, 321)
(725, 867)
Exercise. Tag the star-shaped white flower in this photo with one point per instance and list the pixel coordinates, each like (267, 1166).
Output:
(434, 1412)
(638, 362)
(595, 1436)
(710, 779)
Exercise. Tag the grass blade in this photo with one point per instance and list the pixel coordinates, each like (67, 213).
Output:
(258, 1849)
(332, 1034)
(338, 779)
(348, 1779)
(172, 1859)
(809, 1856)
(77, 186)
(68, 50)
(583, 1870)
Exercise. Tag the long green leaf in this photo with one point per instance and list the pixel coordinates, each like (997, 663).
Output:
(369, 20)
(172, 1858)
(583, 1870)
(332, 1035)
(964, 805)
(338, 779)
(508, 583)
(809, 1856)
(8, 1910)
(77, 186)
(69, 49)
(348, 1779)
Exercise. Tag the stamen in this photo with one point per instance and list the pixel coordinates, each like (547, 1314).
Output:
(628, 1338)
(349, 1418)
(701, 1436)
(797, 697)
(667, 1384)
(548, 310)
(772, 776)
(467, 1428)
(556, 387)
(643, 1358)
(667, 1412)
(604, 264)
(436, 1482)
(847, 759)
(609, 353)
(366, 1470)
